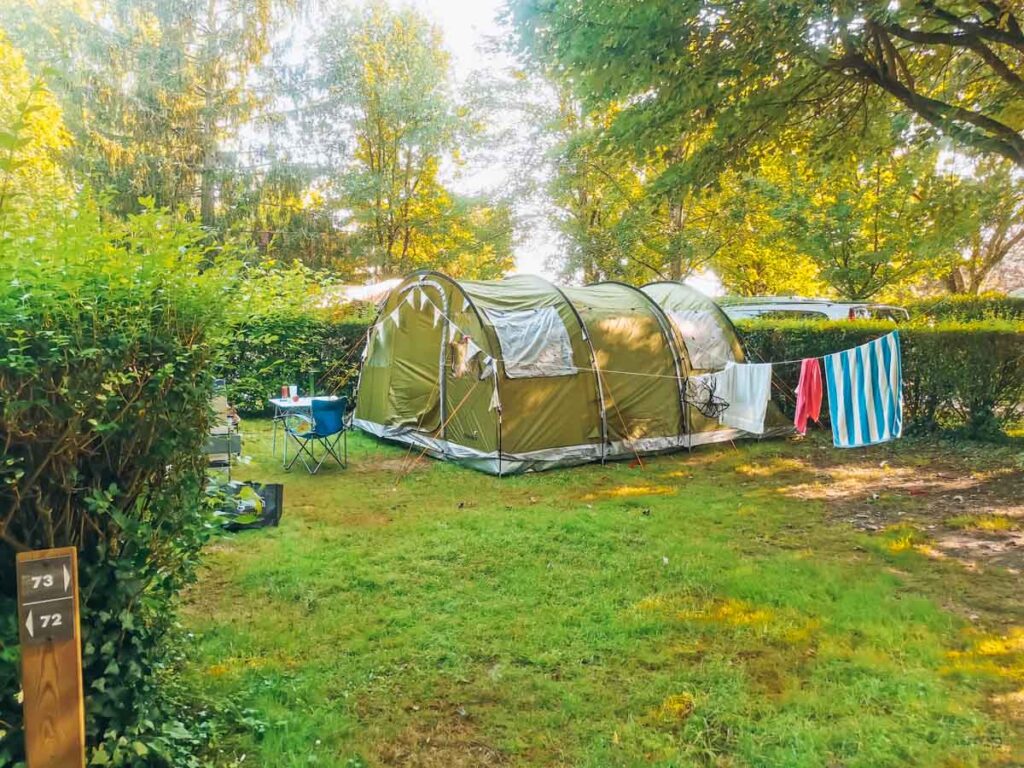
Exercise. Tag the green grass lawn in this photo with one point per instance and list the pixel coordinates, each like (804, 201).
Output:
(689, 612)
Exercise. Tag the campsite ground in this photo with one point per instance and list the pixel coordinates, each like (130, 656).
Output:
(780, 603)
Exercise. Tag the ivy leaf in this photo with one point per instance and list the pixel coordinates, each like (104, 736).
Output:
(11, 141)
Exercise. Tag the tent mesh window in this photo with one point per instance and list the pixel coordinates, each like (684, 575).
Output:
(706, 343)
(534, 342)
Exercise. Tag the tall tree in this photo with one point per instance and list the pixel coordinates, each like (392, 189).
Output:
(738, 73)
(758, 255)
(387, 122)
(991, 197)
(873, 219)
(33, 138)
(615, 223)
(151, 89)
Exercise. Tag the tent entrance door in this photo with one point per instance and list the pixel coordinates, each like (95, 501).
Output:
(414, 396)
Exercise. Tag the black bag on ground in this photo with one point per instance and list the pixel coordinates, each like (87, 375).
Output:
(250, 505)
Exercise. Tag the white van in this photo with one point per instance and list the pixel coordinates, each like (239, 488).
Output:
(796, 307)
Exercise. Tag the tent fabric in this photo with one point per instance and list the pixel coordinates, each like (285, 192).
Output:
(637, 368)
(518, 375)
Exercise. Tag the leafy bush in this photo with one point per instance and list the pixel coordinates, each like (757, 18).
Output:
(967, 309)
(964, 376)
(106, 365)
(289, 328)
(268, 351)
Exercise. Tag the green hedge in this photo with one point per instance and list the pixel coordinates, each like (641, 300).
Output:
(967, 377)
(268, 351)
(106, 373)
(966, 309)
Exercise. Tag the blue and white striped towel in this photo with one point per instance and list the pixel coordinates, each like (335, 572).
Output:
(865, 393)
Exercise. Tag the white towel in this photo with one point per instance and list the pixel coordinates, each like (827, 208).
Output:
(747, 388)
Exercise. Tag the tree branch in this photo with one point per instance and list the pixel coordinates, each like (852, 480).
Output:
(991, 136)
(1010, 36)
(959, 40)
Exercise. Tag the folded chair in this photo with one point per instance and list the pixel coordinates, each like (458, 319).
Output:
(325, 427)
(223, 443)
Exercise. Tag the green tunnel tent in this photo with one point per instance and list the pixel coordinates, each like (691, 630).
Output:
(517, 374)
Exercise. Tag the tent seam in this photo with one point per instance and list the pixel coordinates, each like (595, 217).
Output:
(602, 411)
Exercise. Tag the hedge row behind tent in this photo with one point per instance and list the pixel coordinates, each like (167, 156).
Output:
(518, 374)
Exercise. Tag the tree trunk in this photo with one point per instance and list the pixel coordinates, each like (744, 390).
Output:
(675, 229)
(207, 214)
(955, 281)
(207, 182)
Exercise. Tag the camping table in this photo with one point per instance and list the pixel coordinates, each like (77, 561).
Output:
(286, 406)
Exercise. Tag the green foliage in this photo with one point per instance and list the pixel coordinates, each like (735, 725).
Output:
(32, 136)
(108, 335)
(285, 220)
(967, 309)
(288, 325)
(870, 220)
(384, 79)
(269, 351)
(615, 225)
(150, 88)
(990, 200)
(187, 104)
(744, 72)
(677, 98)
(290, 288)
(960, 376)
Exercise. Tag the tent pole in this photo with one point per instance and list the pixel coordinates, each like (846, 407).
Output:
(593, 362)
(668, 334)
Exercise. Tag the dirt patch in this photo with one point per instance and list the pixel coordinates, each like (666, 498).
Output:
(972, 513)
(440, 735)
(1010, 705)
(398, 467)
(365, 520)
(1005, 549)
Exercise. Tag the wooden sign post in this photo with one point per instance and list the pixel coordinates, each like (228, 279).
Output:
(51, 658)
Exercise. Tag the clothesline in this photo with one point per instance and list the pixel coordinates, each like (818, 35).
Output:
(864, 383)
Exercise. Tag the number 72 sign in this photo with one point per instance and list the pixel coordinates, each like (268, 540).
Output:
(51, 658)
(46, 599)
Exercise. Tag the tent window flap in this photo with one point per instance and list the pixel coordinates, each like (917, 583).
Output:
(534, 342)
(706, 342)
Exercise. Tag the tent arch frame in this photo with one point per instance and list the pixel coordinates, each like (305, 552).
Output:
(568, 446)
(434, 278)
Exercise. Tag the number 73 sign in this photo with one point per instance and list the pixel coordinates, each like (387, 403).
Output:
(51, 658)
(46, 600)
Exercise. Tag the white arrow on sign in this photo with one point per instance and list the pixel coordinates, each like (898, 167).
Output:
(67, 578)
(28, 625)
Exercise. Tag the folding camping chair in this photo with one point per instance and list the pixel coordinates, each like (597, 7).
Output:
(324, 427)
